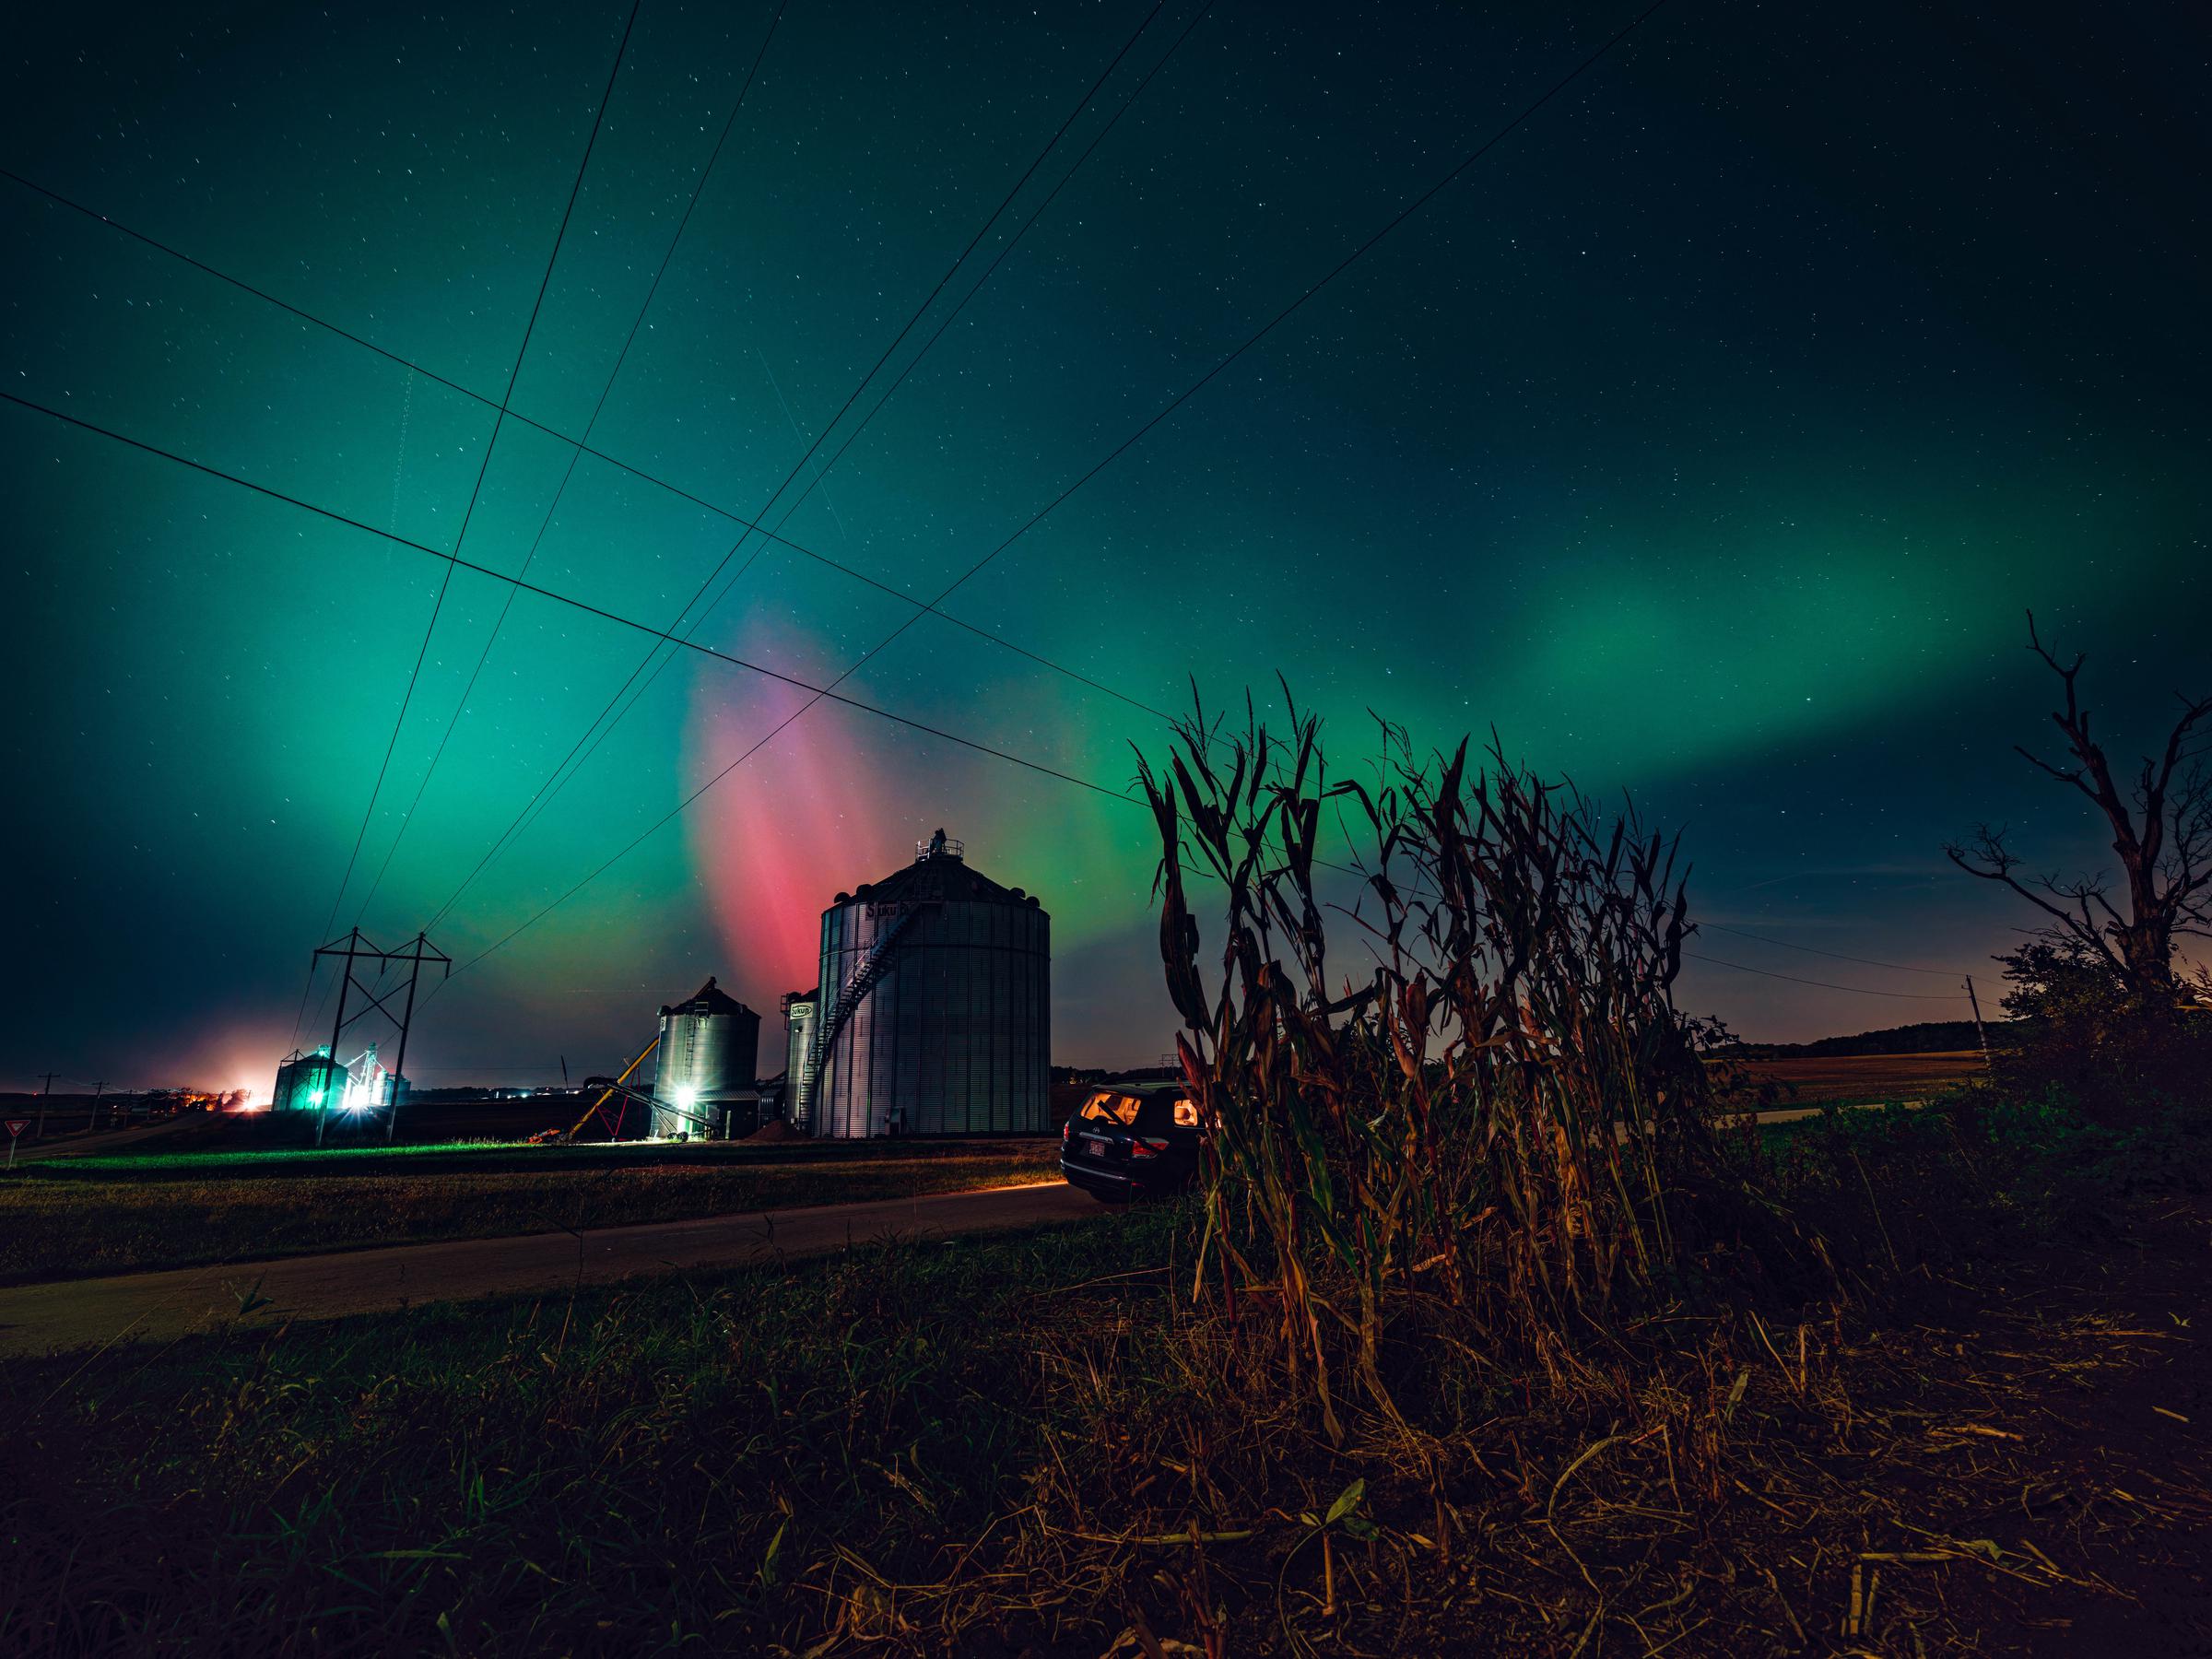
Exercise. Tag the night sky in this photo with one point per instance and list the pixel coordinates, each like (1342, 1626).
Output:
(1707, 439)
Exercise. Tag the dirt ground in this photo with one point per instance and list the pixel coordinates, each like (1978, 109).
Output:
(2016, 1462)
(2036, 1475)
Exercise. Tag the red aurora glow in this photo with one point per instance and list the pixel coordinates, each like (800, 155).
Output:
(775, 841)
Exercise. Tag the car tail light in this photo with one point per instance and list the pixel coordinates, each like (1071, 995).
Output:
(1067, 1131)
(1144, 1147)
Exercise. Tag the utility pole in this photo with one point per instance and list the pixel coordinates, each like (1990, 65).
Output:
(43, 1095)
(97, 1089)
(407, 1018)
(1981, 1030)
(353, 948)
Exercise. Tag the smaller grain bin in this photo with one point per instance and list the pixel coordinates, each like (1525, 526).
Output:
(308, 1082)
(709, 1047)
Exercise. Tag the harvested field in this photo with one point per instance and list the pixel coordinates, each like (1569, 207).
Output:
(1813, 1081)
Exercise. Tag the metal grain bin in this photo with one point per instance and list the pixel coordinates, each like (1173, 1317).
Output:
(709, 1047)
(800, 1007)
(934, 1012)
(308, 1082)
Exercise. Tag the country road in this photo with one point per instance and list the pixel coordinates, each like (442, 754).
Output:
(143, 1306)
(140, 1307)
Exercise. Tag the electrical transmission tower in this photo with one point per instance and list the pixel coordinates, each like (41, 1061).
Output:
(354, 949)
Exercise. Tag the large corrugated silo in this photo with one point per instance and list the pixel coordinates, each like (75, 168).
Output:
(710, 1048)
(934, 1015)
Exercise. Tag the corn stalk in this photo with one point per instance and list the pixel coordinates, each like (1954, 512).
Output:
(1500, 1101)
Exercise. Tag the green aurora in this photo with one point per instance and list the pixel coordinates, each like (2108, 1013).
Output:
(1706, 440)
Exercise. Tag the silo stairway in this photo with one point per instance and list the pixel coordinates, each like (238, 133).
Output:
(855, 992)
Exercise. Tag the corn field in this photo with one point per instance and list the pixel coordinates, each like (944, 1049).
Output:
(1487, 1095)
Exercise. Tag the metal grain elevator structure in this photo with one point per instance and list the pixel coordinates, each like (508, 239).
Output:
(933, 1014)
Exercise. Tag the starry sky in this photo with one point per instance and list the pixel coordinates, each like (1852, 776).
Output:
(1706, 439)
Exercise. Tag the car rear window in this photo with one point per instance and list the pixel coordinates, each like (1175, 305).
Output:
(1109, 1107)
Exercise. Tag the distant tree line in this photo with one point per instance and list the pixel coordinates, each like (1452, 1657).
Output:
(1924, 1036)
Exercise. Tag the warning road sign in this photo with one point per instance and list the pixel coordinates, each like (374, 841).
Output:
(16, 1127)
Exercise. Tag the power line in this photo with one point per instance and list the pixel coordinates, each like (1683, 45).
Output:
(526, 820)
(1167, 409)
(484, 466)
(455, 560)
(1824, 984)
(545, 593)
(1836, 955)
(600, 455)
(953, 316)
(555, 780)
(1267, 328)
(552, 507)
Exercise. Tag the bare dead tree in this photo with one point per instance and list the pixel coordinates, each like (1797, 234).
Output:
(2162, 833)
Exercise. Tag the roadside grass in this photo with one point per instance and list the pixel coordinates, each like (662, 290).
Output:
(1037, 1445)
(66, 1222)
(623, 1469)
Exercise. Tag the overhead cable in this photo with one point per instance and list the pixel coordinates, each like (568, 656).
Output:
(1825, 985)
(559, 598)
(1165, 410)
(484, 655)
(476, 492)
(1837, 954)
(600, 455)
(565, 768)
(912, 364)
(992, 750)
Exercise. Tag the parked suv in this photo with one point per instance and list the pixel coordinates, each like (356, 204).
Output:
(1126, 1144)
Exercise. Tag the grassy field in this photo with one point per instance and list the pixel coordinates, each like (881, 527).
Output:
(74, 1218)
(1036, 1446)
(223, 1157)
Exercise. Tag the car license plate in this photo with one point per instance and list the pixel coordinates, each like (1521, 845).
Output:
(1095, 1145)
